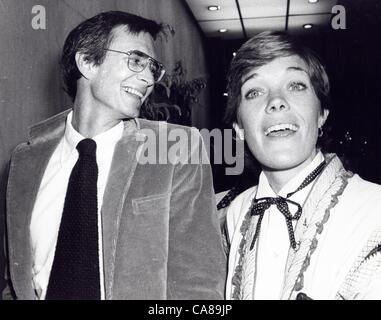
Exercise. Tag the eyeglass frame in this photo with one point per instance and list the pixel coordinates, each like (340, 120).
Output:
(149, 58)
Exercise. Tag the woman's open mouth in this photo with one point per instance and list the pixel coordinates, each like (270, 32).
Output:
(281, 130)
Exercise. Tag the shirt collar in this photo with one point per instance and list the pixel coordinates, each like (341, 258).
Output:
(72, 137)
(265, 190)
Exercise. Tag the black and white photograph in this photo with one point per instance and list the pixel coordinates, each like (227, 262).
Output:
(196, 150)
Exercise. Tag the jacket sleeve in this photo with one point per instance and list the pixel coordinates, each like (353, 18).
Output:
(196, 260)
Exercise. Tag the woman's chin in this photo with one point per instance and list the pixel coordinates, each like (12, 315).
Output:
(286, 161)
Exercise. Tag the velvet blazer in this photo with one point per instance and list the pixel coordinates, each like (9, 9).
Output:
(161, 235)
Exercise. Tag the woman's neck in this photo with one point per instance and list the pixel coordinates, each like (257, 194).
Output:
(279, 178)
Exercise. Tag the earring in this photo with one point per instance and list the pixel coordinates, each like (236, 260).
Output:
(240, 134)
(320, 130)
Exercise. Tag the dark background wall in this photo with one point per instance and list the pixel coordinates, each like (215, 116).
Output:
(30, 84)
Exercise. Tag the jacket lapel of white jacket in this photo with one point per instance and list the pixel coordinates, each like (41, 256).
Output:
(316, 211)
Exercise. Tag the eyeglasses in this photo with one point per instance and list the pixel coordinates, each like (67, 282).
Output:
(138, 61)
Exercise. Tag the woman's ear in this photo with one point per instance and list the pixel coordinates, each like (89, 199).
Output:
(239, 131)
(85, 67)
(323, 117)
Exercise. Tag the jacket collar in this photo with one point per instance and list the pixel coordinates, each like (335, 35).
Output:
(55, 126)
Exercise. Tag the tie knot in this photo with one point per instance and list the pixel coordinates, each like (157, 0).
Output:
(87, 147)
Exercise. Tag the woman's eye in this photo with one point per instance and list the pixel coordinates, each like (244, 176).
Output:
(297, 86)
(253, 93)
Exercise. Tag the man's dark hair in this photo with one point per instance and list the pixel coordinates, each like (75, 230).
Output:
(94, 35)
(264, 48)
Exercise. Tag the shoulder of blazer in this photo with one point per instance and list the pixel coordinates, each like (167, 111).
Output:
(43, 131)
(162, 125)
(48, 128)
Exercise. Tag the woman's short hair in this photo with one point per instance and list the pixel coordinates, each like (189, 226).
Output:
(262, 49)
(94, 35)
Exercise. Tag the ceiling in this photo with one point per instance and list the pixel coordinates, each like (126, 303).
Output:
(245, 18)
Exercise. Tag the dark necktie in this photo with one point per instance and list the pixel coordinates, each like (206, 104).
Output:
(75, 269)
(260, 205)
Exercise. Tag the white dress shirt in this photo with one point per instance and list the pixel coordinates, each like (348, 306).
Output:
(273, 242)
(47, 211)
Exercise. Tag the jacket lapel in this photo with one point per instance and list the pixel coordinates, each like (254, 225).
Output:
(316, 211)
(121, 172)
(26, 171)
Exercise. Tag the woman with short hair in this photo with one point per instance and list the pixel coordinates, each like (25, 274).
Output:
(310, 229)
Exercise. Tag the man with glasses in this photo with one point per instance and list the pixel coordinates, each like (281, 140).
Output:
(85, 218)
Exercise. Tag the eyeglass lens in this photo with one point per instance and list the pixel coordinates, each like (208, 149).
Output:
(138, 61)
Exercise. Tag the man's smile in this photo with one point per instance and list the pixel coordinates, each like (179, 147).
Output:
(134, 92)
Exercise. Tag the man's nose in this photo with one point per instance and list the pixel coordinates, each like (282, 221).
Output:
(146, 76)
(277, 103)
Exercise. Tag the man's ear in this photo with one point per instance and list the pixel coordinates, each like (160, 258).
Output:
(85, 67)
(239, 131)
(323, 117)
